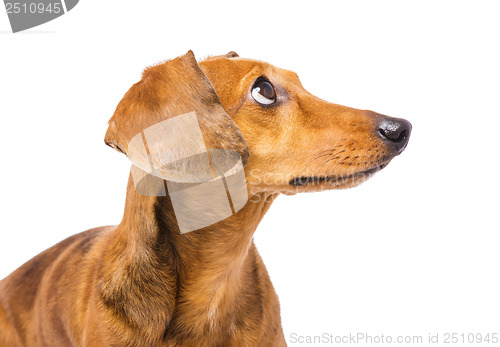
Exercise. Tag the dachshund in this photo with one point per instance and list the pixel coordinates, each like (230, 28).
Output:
(168, 276)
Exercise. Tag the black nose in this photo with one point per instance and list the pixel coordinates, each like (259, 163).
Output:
(395, 131)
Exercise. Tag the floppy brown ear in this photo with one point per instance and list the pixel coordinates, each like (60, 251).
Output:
(169, 122)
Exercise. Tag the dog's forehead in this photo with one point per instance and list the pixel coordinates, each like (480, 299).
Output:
(244, 66)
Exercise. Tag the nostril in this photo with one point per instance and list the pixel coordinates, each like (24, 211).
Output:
(383, 133)
(393, 136)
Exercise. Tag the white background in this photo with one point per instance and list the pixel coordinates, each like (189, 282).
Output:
(412, 251)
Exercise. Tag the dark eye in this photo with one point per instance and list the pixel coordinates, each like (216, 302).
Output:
(263, 92)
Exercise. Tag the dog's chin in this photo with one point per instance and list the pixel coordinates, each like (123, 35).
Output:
(328, 182)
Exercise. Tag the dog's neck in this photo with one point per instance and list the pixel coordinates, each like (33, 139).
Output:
(165, 282)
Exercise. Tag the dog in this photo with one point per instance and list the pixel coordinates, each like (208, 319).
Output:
(146, 283)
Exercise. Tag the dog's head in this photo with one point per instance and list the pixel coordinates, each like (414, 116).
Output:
(297, 141)
(290, 140)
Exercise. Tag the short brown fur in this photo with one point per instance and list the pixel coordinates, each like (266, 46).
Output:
(142, 283)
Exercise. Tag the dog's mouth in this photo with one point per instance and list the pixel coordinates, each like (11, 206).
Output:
(357, 177)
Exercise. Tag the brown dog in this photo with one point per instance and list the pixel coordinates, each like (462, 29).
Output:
(143, 282)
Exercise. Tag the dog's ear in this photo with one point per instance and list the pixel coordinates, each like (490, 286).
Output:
(170, 121)
(231, 54)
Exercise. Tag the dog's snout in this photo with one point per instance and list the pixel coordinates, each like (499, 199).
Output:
(395, 131)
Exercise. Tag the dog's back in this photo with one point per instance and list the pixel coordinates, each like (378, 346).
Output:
(34, 293)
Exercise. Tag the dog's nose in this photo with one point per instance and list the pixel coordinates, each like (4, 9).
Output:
(395, 131)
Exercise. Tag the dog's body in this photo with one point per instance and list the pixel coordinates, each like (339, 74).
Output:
(92, 290)
(143, 283)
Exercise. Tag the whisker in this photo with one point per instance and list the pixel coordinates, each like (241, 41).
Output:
(331, 152)
(352, 161)
(330, 159)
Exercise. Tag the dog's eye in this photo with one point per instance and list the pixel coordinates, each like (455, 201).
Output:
(263, 92)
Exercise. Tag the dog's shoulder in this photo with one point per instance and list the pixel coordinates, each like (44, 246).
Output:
(41, 280)
(23, 283)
